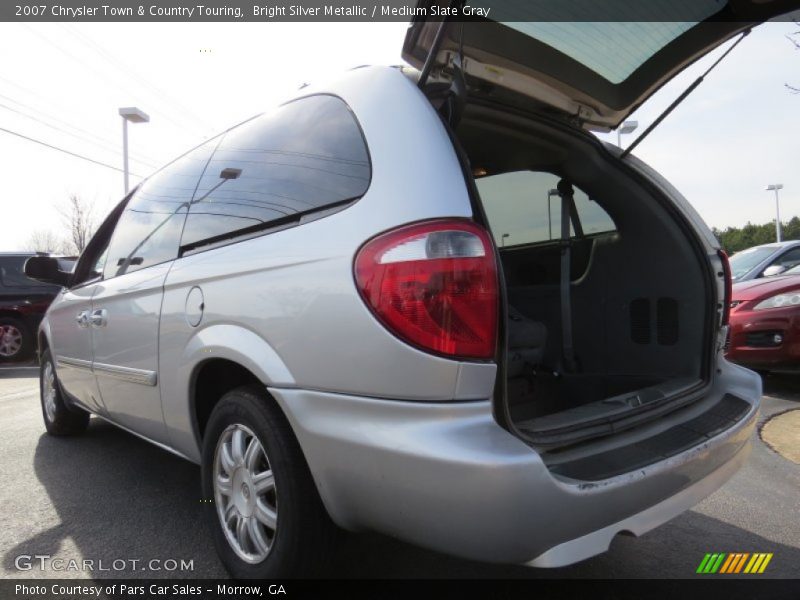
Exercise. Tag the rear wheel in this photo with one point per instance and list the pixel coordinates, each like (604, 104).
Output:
(59, 419)
(263, 506)
(16, 342)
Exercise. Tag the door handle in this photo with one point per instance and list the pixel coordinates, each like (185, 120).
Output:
(82, 319)
(99, 318)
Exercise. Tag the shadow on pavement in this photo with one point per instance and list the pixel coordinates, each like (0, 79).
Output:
(784, 385)
(118, 497)
(673, 550)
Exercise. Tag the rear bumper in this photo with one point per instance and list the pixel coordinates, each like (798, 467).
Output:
(598, 541)
(447, 477)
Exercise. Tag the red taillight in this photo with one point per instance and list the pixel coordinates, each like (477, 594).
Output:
(726, 302)
(434, 284)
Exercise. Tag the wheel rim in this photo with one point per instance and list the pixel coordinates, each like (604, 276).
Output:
(244, 493)
(10, 340)
(49, 391)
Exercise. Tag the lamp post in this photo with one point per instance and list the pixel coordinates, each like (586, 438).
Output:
(775, 187)
(626, 127)
(134, 115)
(503, 240)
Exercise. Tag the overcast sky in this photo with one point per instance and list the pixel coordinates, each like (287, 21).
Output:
(63, 83)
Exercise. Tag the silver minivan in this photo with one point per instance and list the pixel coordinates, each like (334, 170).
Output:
(422, 301)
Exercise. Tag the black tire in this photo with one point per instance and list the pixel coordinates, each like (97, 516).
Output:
(304, 534)
(63, 419)
(22, 335)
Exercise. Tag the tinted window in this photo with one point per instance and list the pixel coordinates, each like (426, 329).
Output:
(149, 230)
(306, 155)
(743, 262)
(612, 50)
(789, 259)
(523, 208)
(12, 273)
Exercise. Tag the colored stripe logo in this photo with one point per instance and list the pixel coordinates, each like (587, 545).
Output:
(734, 562)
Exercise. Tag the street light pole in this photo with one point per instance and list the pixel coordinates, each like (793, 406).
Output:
(775, 187)
(134, 115)
(125, 153)
(626, 127)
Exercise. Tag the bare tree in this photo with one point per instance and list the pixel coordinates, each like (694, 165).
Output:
(43, 240)
(794, 37)
(78, 218)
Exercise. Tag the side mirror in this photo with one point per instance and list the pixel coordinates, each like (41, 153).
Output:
(45, 269)
(773, 270)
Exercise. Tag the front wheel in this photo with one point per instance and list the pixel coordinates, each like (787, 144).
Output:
(59, 419)
(263, 506)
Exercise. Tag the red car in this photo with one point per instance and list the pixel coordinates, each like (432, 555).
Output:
(765, 323)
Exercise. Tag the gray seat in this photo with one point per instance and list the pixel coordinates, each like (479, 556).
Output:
(526, 342)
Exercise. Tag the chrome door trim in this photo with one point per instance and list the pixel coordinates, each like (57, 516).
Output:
(141, 376)
(74, 363)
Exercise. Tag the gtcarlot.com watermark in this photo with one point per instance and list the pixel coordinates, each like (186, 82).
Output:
(47, 562)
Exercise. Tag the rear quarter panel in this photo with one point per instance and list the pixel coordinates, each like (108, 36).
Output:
(285, 304)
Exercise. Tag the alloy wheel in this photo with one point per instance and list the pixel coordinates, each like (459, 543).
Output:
(10, 341)
(49, 391)
(245, 494)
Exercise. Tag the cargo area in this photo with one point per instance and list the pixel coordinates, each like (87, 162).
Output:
(607, 315)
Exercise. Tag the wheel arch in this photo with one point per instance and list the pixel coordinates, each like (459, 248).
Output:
(214, 360)
(42, 340)
(210, 381)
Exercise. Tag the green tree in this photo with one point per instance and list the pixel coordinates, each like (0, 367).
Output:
(734, 239)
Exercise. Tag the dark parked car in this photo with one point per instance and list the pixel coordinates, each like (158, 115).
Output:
(765, 323)
(23, 302)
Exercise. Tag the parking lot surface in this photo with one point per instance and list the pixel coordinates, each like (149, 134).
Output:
(108, 496)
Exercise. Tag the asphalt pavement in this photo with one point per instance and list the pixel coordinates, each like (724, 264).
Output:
(108, 496)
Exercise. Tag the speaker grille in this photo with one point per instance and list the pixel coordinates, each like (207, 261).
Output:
(640, 320)
(667, 321)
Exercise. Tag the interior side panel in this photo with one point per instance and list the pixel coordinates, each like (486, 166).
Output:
(638, 294)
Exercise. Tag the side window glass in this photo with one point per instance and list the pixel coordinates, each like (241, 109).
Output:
(307, 155)
(149, 229)
(523, 207)
(788, 260)
(592, 216)
(99, 265)
(89, 265)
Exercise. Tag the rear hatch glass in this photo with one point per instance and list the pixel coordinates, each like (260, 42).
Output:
(594, 61)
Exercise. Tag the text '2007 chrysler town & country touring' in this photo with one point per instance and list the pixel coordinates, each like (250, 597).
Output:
(472, 326)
